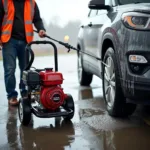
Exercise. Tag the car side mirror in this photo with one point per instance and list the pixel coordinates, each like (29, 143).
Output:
(98, 4)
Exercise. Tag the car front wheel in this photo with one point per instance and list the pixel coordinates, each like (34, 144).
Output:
(112, 90)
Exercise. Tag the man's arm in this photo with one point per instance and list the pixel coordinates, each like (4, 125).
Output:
(38, 23)
(1, 13)
(1, 17)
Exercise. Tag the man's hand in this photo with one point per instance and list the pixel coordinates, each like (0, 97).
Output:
(0, 45)
(42, 33)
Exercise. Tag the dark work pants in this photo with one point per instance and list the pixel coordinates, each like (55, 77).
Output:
(11, 51)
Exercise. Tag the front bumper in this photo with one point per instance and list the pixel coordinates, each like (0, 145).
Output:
(135, 85)
(137, 92)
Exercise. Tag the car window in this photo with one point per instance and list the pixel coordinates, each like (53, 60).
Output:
(92, 13)
(108, 2)
(100, 12)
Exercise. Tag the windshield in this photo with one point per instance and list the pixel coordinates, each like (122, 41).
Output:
(133, 1)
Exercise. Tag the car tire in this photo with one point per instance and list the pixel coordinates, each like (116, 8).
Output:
(115, 101)
(84, 77)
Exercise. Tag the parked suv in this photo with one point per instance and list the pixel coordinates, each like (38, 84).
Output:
(117, 34)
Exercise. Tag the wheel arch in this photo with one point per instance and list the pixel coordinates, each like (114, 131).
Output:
(111, 40)
(106, 44)
(107, 41)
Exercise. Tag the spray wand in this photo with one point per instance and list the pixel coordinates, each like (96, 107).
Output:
(68, 46)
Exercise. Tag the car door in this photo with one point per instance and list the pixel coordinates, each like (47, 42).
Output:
(94, 36)
(104, 22)
(87, 29)
(94, 31)
(87, 36)
(94, 24)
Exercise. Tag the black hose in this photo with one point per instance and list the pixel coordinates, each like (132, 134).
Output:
(71, 47)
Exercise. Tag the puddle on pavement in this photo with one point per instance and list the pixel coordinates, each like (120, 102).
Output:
(73, 136)
(91, 129)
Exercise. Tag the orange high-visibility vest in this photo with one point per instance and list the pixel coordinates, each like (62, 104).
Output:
(8, 19)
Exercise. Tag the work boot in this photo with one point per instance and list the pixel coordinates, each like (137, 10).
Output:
(13, 102)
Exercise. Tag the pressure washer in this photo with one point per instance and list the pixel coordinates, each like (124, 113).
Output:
(45, 97)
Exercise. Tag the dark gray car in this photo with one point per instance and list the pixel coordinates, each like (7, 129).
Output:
(118, 33)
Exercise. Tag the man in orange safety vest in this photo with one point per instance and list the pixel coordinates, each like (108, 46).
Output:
(16, 30)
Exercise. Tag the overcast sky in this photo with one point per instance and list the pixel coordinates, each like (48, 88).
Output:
(65, 9)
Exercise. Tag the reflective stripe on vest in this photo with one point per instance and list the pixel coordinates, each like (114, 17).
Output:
(5, 3)
(28, 17)
(32, 8)
(29, 33)
(28, 22)
(6, 32)
(7, 23)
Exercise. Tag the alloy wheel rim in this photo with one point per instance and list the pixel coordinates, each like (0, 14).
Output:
(109, 81)
(79, 67)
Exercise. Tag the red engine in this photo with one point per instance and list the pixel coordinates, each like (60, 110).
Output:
(52, 95)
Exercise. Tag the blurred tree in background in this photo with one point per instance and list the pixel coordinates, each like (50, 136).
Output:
(57, 32)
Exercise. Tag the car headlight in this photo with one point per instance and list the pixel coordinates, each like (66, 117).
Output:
(138, 21)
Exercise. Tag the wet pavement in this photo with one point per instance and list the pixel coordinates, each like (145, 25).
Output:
(90, 129)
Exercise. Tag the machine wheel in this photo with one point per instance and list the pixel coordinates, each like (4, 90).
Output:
(24, 111)
(84, 78)
(112, 90)
(69, 104)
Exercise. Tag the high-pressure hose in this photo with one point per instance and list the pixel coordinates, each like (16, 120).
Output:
(71, 47)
